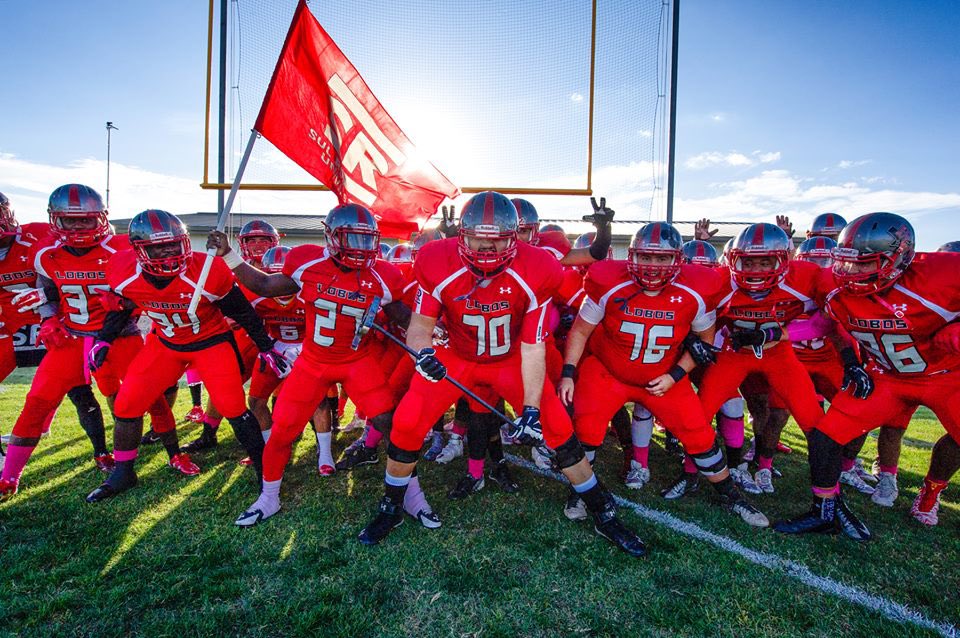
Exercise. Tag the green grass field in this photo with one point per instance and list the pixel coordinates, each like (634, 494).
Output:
(166, 560)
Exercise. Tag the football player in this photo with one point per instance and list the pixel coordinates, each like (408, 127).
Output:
(71, 275)
(554, 240)
(644, 308)
(336, 284)
(494, 292)
(902, 309)
(159, 278)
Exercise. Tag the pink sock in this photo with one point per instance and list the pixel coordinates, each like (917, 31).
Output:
(374, 436)
(209, 420)
(826, 492)
(846, 465)
(475, 468)
(124, 455)
(765, 462)
(640, 455)
(459, 429)
(17, 457)
(414, 500)
(688, 465)
(731, 429)
(889, 469)
(193, 378)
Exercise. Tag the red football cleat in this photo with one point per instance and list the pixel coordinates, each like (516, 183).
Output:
(8, 487)
(245, 461)
(783, 448)
(104, 462)
(195, 415)
(182, 463)
(326, 470)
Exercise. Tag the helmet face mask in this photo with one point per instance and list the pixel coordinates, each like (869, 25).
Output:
(872, 252)
(256, 238)
(655, 256)
(759, 257)
(160, 242)
(353, 239)
(71, 203)
(488, 233)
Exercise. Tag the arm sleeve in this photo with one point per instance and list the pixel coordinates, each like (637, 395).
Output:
(238, 308)
(49, 288)
(114, 324)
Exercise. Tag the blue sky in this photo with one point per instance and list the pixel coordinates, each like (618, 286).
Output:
(795, 107)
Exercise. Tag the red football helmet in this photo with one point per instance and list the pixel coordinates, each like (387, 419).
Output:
(657, 239)
(529, 219)
(157, 231)
(701, 253)
(8, 222)
(272, 260)
(759, 241)
(401, 254)
(872, 252)
(827, 225)
(352, 236)
(257, 229)
(72, 202)
(816, 249)
(488, 216)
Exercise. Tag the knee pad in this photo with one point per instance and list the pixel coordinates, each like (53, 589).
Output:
(640, 413)
(382, 423)
(569, 453)
(710, 462)
(732, 408)
(82, 397)
(400, 455)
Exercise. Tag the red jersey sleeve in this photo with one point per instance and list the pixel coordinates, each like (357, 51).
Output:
(428, 271)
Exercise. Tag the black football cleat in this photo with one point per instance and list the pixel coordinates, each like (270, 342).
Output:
(606, 524)
(389, 517)
(848, 523)
(819, 519)
(110, 489)
(501, 476)
(149, 437)
(357, 456)
(205, 441)
(465, 487)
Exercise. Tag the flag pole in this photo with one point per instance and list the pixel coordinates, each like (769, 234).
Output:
(221, 224)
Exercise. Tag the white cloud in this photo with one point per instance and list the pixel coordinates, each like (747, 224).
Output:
(852, 163)
(576, 97)
(718, 117)
(733, 158)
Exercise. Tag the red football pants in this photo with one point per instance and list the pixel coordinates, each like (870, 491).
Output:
(599, 394)
(304, 389)
(894, 399)
(158, 367)
(425, 402)
(783, 372)
(827, 377)
(8, 360)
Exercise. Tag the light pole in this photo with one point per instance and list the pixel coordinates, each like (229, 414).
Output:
(110, 127)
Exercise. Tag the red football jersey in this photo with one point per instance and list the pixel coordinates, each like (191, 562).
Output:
(167, 307)
(555, 243)
(284, 321)
(894, 328)
(80, 280)
(486, 320)
(638, 336)
(802, 291)
(336, 300)
(16, 273)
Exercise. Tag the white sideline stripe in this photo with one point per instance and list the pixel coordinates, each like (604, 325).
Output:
(887, 608)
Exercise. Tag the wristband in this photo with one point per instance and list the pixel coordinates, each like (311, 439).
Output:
(568, 371)
(233, 260)
(676, 373)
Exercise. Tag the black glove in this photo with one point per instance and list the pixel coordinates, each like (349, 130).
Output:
(755, 337)
(448, 225)
(98, 355)
(601, 218)
(703, 353)
(526, 429)
(855, 375)
(429, 367)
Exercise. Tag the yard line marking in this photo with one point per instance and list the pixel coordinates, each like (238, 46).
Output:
(889, 609)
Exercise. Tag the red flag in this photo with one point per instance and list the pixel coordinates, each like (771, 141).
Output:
(321, 114)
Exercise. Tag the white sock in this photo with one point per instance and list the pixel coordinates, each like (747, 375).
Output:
(324, 455)
(265, 434)
(641, 430)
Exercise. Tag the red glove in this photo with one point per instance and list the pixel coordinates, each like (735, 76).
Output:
(111, 301)
(948, 338)
(52, 333)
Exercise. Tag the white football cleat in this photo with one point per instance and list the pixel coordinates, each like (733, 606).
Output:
(742, 478)
(637, 477)
(452, 450)
(886, 492)
(853, 479)
(541, 457)
(764, 480)
(262, 509)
